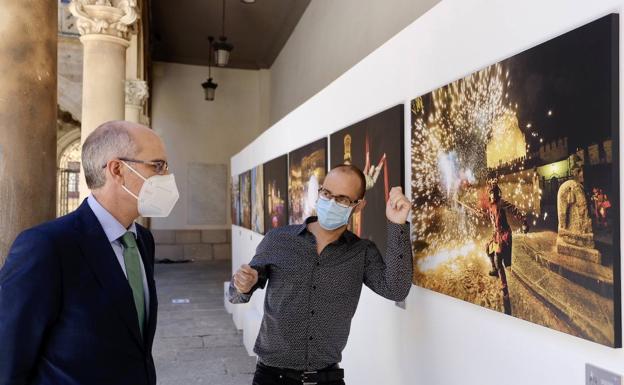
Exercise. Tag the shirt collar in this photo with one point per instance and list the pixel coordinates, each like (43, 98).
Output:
(304, 226)
(346, 236)
(112, 228)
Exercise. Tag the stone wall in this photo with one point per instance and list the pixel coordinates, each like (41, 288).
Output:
(202, 245)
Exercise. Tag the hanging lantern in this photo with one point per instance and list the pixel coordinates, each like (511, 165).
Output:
(222, 51)
(222, 48)
(209, 89)
(209, 86)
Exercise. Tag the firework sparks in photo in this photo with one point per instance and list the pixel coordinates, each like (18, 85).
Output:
(451, 144)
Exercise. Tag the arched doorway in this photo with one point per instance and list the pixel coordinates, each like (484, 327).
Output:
(68, 195)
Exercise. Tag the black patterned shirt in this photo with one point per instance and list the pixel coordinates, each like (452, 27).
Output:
(311, 298)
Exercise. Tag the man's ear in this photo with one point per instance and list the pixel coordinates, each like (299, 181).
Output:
(360, 206)
(115, 170)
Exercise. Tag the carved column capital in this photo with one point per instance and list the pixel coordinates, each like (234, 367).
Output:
(137, 92)
(115, 18)
(145, 120)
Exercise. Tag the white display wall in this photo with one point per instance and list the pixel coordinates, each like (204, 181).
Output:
(437, 339)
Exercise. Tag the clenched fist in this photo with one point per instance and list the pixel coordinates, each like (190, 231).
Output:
(245, 278)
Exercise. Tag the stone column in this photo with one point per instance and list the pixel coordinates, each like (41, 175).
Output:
(27, 116)
(137, 89)
(105, 27)
(136, 96)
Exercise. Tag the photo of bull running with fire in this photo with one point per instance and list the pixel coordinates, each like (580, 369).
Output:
(514, 183)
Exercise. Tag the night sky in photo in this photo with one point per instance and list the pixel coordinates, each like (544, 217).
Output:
(572, 76)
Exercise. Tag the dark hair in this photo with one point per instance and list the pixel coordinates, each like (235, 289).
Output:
(494, 189)
(352, 169)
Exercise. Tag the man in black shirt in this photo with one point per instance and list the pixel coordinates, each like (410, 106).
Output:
(314, 274)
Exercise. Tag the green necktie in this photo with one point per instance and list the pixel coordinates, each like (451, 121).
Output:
(132, 260)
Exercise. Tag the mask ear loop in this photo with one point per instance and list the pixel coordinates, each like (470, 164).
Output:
(136, 172)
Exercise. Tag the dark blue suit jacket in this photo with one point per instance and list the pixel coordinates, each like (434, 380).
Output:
(67, 315)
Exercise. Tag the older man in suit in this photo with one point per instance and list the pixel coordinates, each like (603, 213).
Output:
(77, 295)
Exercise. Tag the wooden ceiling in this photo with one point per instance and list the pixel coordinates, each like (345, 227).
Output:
(258, 31)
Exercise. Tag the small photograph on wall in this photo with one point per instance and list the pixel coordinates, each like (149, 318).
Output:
(257, 200)
(235, 198)
(307, 167)
(276, 193)
(245, 199)
(515, 185)
(375, 146)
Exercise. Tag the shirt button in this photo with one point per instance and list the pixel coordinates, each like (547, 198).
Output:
(311, 338)
(314, 287)
(318, 264)
(401, 256)
(312, 312)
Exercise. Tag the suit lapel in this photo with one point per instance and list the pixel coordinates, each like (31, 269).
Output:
(100, 256)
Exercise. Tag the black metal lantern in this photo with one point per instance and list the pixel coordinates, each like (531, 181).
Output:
(222, 48)
(209, 86)
(209, 89)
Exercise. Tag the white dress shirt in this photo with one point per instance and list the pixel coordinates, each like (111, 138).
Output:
(115, 230)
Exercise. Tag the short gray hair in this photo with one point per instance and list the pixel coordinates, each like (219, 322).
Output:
(109, 141)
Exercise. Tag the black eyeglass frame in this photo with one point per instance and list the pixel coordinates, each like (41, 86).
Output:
(341, 200)
(160, 166)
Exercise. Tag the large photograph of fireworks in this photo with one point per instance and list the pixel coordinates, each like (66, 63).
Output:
(307, 167)
(515, 185)
(375, 146)
(245, 199)
(257, 200)
(276, 193)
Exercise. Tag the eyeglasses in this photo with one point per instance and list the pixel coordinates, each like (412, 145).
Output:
(341, 200)
(160, 166)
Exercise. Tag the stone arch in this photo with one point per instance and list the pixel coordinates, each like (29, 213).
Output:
(64, 141)
(67, 162)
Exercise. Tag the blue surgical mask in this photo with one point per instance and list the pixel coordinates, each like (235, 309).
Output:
(331, 215)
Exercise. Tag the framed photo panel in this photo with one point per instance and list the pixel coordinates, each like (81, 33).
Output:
(276, 193)
(257, 200)
(235, 197)
(245, 199)
(515, 185)
(307, 167)
(375, 146)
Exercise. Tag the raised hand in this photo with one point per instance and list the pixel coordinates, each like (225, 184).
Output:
(398, 206)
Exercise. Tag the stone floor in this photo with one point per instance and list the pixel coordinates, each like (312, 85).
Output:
(196, 342)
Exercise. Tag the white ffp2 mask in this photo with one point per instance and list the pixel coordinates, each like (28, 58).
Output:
(158, 195)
